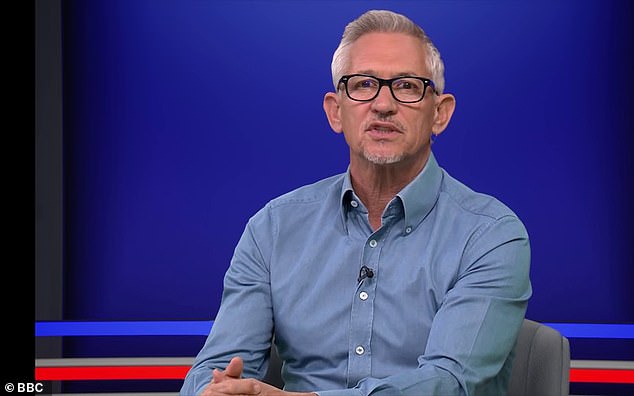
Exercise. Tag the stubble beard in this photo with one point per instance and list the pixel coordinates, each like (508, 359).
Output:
(382, 159)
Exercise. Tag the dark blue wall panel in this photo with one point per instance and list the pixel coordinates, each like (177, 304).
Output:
(181, 119)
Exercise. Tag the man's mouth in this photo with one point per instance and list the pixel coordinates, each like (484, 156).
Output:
(382, 129)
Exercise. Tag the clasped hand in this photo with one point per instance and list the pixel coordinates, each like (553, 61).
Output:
(230, 382)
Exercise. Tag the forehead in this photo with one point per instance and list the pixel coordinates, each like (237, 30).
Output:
(387, 55)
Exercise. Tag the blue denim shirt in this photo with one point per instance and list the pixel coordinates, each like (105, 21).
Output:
(440, 315)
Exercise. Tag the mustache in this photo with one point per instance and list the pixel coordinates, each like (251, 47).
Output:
(386, 119)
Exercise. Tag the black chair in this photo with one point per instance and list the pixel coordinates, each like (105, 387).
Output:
(542, 362)
(541, 366)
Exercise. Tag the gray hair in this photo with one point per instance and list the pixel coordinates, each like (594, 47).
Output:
(387, 22)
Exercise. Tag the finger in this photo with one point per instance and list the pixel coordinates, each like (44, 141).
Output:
(237, 387)
(217, 376)
(234, 368)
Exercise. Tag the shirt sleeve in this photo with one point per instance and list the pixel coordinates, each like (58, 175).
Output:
(244, 323)
(476, 327)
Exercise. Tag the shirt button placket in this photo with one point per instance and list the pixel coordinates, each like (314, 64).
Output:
(362, 316)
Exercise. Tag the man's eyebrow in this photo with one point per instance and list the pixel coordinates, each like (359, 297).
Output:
(400, 74)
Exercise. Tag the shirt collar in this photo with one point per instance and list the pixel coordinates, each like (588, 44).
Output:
(418, 197)
(421, 194)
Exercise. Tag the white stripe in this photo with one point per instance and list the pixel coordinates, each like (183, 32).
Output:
(603, 364)
(89, 362)
(188, 361)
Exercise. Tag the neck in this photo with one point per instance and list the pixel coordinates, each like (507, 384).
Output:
(376, 185)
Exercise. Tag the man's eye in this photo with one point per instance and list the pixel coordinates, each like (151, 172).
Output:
(365, 84)
(413, 86)
(404, 84)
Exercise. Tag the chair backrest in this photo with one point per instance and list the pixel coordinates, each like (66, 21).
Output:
(541, 366)
(274, 374)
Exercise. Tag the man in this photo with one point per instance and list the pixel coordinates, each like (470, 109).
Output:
(392, 278)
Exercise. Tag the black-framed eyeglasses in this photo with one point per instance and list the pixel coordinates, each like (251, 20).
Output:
(405, 89)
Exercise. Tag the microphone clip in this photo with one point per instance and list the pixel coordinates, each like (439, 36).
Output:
(365, 272)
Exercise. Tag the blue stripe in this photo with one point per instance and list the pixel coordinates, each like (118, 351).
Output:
(201, 328)
(585, 330)
(132, 328)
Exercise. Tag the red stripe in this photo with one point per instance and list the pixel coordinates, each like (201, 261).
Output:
(602, 375)
(179, 372)
(110, 373)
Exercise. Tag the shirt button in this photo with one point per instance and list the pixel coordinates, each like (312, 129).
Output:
(359, 350)
(354, 204)
(408, 229)
(363, 295)
(373, 243)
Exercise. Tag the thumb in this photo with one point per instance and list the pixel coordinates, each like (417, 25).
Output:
(234, 368)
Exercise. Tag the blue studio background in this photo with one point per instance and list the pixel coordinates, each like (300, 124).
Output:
(182, 119)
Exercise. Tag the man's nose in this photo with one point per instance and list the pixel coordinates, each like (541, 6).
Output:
(384, 101)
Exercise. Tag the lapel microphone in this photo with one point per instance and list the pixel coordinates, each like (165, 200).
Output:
(365, 272)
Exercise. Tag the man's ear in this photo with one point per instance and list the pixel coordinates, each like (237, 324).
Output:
(444, 107)
(331, 107)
